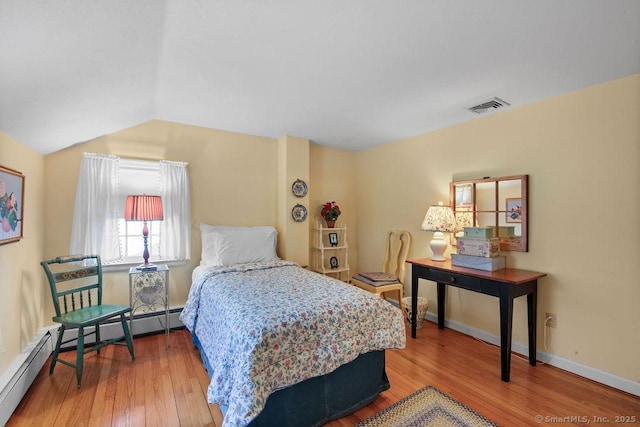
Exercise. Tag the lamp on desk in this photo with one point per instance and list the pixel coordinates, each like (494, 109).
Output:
(440, 219)
(144, 208)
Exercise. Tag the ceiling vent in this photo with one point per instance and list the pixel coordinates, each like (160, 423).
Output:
(488, 106)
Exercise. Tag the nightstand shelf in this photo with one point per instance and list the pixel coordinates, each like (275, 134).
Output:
(148, 291)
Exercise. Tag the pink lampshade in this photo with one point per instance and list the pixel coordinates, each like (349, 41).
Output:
(143, 208)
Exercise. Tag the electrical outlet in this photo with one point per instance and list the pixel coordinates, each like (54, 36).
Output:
(550, 320)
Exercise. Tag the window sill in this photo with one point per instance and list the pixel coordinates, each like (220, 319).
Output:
(125, 266)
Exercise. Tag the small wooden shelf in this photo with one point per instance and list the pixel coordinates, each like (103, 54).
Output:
(325, 253)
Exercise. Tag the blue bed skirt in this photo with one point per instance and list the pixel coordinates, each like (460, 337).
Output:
(318, 400)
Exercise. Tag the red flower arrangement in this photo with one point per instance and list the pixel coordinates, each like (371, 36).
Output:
(330, 211)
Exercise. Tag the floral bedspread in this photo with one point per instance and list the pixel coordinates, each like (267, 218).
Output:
(266, 326)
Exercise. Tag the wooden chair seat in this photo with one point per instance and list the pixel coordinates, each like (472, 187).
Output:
(398, 243)
(381, 290)
(90, 315)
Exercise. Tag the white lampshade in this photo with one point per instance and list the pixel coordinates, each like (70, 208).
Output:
(440, 219)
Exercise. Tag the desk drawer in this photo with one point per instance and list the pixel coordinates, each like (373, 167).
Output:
(461, 281)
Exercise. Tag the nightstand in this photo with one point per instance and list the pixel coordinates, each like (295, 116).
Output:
(149, 289)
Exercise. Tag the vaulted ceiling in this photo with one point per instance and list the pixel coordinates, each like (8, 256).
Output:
(345, 73)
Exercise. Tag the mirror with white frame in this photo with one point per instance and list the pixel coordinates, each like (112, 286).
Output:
(493, 202)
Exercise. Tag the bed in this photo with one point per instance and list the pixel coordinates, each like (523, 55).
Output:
(284, 345)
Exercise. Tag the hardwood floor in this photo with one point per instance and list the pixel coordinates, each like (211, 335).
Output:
(167, 386)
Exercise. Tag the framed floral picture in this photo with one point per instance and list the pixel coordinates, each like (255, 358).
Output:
(514, 210)
(11, 205)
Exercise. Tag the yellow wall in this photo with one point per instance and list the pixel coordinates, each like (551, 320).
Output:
(333, 179)
(233, 182)
(23, 291)
(582, 154)
(293, 164)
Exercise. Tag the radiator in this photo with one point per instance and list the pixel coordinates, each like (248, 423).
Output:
(15, 381)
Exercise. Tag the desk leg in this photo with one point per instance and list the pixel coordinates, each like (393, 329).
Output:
(506, 322)
(532, 310)
(441, 297)
(414, 302)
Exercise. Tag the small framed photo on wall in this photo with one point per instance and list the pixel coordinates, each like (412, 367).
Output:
(333, 239)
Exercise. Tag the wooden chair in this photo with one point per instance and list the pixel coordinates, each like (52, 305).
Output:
(397, 249)
(76, 284)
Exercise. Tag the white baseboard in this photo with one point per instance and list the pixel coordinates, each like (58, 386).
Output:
(142, 324)
(602, 377)
(17, 378)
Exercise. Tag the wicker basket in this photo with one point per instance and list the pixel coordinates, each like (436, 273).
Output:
(423, 303)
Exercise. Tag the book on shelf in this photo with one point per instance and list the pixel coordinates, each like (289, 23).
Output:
(365, 277)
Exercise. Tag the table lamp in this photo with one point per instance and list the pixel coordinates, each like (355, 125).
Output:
(440, 219)
(144, 208)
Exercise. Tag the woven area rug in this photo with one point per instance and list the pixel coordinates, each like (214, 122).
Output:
(426, 407)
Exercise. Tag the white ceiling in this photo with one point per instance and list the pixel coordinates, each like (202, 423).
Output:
(344, 73)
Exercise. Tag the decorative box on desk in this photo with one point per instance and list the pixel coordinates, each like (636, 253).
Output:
(479, 262)
(504, 231)
(485, 232)
(149, 290)
(477, 246)
(490, 231)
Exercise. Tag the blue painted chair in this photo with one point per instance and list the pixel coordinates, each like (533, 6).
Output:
(76, 289)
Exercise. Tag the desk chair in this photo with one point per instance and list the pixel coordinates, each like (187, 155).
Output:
(397, 249)
(81, 299)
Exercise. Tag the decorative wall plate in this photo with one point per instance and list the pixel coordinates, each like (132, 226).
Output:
(299, 213)
(299, 188)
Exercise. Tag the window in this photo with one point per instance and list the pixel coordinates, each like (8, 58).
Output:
(132, 244)
(99, 227)
(137, 177)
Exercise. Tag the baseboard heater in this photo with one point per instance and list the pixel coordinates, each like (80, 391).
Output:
(16, 380)
(143, 324)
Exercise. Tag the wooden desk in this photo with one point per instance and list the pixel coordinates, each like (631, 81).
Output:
(506, 284)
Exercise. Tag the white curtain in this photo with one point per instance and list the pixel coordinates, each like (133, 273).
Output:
(95, 216)
(175, 234)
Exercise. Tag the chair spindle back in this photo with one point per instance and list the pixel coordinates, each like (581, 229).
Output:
(75, 282)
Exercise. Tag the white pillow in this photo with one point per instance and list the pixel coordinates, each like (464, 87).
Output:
(237, 245)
